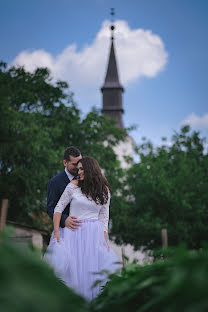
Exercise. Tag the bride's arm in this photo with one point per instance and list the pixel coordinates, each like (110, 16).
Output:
(104, 217)
(106, 237)
(61, 205)
(56, 224)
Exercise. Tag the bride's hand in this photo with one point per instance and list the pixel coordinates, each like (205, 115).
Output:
(106, 240)
(56, 236)
(108, 247)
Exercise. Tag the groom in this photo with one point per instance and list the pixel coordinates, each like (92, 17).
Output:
(58, 183)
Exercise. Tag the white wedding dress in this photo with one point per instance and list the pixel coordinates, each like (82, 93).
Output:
(82, 254)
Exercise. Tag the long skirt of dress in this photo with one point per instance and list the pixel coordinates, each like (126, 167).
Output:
(80, 256)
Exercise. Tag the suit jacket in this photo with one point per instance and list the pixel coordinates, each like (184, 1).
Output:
(56, 186)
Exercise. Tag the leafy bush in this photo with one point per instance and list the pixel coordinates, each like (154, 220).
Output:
(28, 284)
(179, 283)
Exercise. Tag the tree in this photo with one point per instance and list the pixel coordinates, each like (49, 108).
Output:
(38, 120)
(166, 189)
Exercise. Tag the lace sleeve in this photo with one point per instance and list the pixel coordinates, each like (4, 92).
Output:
(65, 198)
(104, 213)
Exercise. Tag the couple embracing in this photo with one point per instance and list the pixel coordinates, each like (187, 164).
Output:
(78, 202)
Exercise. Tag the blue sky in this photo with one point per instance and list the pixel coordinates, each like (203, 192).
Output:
(161, 48)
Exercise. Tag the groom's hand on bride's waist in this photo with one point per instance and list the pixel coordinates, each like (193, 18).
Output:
(72, 223)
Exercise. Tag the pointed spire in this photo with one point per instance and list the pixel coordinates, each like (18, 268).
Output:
(112, 79)
(112, 89)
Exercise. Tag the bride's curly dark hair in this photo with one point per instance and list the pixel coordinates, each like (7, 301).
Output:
(94, 185)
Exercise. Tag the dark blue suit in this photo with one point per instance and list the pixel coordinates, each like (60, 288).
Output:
(56, 187)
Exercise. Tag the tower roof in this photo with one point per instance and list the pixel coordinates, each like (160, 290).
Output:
(112, 89)
(111, 78)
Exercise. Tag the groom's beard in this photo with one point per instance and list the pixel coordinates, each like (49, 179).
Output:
(74, 172)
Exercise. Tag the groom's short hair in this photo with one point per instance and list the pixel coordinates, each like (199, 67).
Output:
(71, 151)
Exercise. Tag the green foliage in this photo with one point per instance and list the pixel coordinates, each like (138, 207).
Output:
(177, 284)
(38, 120)
(166, 189)
(180, 283)
(28, 284)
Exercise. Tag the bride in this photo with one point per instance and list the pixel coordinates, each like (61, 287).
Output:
(79, 256)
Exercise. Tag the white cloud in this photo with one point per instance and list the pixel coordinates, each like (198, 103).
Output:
(139, 53)
(196, 121)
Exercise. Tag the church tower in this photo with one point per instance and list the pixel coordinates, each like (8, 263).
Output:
(112, 89)
(112, 104)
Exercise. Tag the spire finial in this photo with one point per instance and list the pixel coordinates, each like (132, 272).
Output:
(112, 13)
